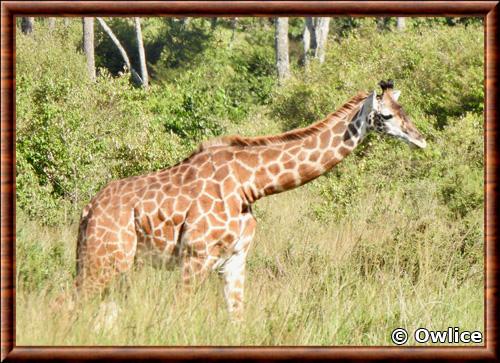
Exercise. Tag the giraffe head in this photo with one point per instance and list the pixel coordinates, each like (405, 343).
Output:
(386, 116)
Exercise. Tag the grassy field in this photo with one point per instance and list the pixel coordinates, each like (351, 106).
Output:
(308, 283)
(392, 237)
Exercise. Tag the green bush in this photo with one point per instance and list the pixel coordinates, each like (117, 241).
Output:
(74, 136)
(219, 83)
(438, 69)
(440, 72)
(452, 164)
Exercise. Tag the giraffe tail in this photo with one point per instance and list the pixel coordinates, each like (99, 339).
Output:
(67, 298)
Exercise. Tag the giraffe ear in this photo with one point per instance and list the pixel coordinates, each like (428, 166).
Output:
(371, 102)
(396, 94)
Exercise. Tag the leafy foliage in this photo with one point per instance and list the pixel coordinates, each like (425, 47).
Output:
(75, 135)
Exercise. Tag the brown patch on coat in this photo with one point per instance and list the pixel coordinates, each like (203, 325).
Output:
(250, 159)
(344, 151)
(221, 173)
(328, 158)
(336, 141)
(274, 168)
(307, 171)
(287, 180)
(315, 156)
(270, 155)
(242, 173)
(324, 138)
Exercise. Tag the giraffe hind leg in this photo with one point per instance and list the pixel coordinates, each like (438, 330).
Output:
(103, 253)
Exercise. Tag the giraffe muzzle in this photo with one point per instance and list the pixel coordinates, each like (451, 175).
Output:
(420, 143)
(414, 137)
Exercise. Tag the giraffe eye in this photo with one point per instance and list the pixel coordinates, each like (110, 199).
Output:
(386, 117)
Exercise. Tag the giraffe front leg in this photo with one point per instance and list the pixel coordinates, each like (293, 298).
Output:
(234, 282)
(234, 269)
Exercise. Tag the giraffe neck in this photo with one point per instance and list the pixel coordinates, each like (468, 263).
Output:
(287, 165)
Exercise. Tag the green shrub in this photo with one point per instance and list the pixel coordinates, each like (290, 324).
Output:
(452, 164)
(439, 70)
(219, 83)
(74, 136)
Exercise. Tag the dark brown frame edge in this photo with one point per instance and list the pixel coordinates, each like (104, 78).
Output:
(11, 9)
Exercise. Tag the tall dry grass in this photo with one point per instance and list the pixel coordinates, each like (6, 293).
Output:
(351, 282)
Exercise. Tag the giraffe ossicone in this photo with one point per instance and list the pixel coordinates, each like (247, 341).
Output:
(197, 214)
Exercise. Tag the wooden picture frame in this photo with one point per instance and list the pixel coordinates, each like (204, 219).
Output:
(12, 9)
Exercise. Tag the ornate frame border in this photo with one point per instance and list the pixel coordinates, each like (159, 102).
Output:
(11, 9)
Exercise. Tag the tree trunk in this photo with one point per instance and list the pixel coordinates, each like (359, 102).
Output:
(234, 24)
(184, 21)
(315, 38)
(213, 23)
(322, 28)
(281, 47)
(401, 23)
(88, 45)
(306, 40)
(27, 24)
(52, 23)
(122, 51)
(383, 23)
(142, 55)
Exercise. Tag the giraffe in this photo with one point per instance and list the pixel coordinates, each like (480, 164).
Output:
(198, 213)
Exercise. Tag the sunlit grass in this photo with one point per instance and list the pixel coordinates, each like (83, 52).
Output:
(349, 282)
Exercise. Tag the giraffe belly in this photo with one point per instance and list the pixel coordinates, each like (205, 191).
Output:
(148, 251)
(231, 253)
(157, 242)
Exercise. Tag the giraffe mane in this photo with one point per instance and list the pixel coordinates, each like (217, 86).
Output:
(297, 134)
